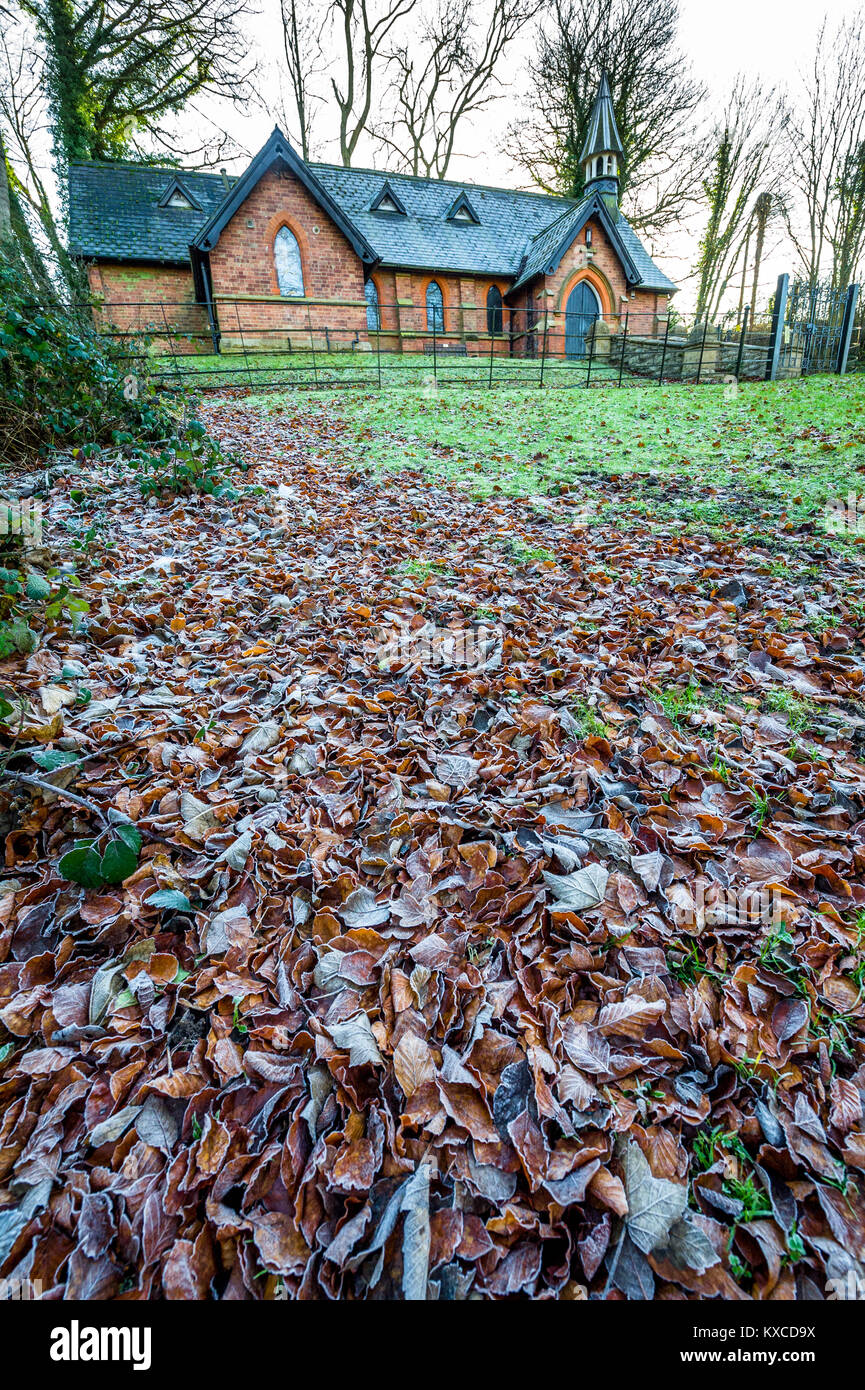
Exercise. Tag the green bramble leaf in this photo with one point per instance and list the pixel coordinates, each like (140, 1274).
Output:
(119, 862)
(82, 865)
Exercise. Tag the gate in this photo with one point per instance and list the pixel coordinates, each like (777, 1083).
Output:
(813, 328)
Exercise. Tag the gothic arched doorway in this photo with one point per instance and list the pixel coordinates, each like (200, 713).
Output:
(582, 310)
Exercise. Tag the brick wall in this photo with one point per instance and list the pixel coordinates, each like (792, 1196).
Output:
(141, 299)
(242, 267)
(402, 304)
(600, 266)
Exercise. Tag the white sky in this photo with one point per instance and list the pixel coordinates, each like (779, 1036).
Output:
(772, 39)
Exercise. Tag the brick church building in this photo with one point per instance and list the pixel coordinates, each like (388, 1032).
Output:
(292, 252)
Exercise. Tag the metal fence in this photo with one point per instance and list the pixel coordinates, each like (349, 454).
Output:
(272, 342)
(819, 320)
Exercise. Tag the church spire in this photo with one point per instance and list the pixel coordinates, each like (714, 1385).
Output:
(602, 148)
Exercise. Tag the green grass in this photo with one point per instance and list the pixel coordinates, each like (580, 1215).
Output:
(798, 710)
(586, 719)
(414, 371)
(749, 468)
(687, 457)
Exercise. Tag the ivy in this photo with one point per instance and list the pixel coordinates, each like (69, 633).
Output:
(66, 387)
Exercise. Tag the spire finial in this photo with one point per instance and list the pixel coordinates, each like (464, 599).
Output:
(602, 147)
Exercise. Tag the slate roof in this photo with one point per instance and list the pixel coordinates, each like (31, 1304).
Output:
(425, 239)
(115, 215)
(547, 248)
(602, 136)
(543, 247)
(651, 276)
(114, 212)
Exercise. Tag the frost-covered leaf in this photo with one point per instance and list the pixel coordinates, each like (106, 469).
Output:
(654, 1204)
(687, 1247)
(360, 909)
(413, 1063)
(579, 891)
(356, 1037)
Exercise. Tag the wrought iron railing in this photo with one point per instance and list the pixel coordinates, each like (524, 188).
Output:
(269, 341)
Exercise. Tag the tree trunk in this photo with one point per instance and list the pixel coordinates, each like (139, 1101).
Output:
(762, 208)
(5, 209)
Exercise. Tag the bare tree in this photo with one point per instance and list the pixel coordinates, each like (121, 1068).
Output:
(657, 104)
(360, 33)
(446, 76)
(827, 138)
(117, 72)
(5, 199)
(847, 232)
(765, 207)
(746, 158)
(25, 128)
(304, 57)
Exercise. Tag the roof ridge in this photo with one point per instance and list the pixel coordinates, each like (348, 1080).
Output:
(175, 169)
(445, 183)
(338, 168)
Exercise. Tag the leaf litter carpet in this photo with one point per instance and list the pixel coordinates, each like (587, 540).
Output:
(461, 983)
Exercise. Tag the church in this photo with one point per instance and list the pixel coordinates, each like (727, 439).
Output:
(297, 252)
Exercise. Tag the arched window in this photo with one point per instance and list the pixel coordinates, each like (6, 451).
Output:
(370, 293)
(435, 307)
(599, 167)
(494, 310)
(610, 165)
(289, 271)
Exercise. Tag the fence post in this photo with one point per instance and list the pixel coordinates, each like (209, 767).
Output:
(312, 344)
(544, 346)
(492, 345)
(243, 342)
(847, 323)
(779, 315)
(170, 342)
(378, 348)
(702, 350)
(742, 332)
(591, 349)
(435, 351)
(664, 350)
(624, 344)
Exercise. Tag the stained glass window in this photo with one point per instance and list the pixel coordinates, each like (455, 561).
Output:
(435, 307)
(289, 271)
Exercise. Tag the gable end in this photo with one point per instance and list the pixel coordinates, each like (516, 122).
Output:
(278, 151)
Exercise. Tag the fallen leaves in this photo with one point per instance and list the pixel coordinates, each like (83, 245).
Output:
(429, 978)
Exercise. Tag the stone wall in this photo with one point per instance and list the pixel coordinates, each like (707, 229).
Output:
(686, 359)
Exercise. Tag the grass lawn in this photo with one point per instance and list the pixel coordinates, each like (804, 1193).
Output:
(361, 369)
(758, 458)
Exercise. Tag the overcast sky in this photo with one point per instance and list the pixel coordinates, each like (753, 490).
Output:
(767, 38)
